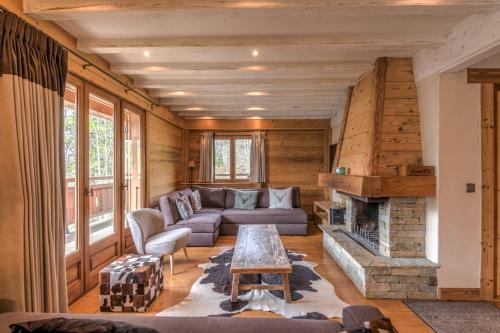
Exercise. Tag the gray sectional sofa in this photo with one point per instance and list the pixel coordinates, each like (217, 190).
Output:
(218, 216)
(353, 317)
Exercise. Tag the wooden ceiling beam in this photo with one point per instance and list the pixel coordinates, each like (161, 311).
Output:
(63, 9)
(366, 41)
(188, 84)
(251, 101)
(474, 39)
(214, 68)
(250, 92)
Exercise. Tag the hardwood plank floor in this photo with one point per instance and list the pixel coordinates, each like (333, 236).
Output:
(177, 287)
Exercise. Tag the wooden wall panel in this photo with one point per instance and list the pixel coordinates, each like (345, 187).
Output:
(357, 139)
(401, 142)
(164, 157)
(294, 157)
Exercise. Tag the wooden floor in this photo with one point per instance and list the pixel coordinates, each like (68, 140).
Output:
(176, 288)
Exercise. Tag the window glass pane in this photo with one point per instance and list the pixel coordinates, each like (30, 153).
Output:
(71, 155)
(132, 162)
(242, 158)
(101, 168)
(222, 159)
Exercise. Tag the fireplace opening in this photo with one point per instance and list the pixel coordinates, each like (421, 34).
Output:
(365, 226)
(362, 221)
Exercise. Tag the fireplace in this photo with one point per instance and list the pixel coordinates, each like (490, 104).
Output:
(392, 227)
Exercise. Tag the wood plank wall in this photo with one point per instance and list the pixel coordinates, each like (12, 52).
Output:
(164, 157)
(294, 157)
(356, 141)
(382, 125)
(400, 140)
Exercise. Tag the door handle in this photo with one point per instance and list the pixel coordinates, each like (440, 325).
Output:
(89, 192)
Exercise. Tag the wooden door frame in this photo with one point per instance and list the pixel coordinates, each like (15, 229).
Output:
(142, 114)
(91, 272)
(76, 286)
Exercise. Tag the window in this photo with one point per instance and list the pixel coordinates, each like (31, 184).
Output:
(232, 158)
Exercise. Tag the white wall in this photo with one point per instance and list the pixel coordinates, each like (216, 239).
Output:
(451, 135)
(428, 101)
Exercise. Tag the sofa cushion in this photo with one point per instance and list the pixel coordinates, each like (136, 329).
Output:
(212, 197)
(169, 209)
(295, 197)
(184, 207)
(245, 199)
(210, 210)
(199, 223)
(280, 198)
(230, 193)
(265, 216)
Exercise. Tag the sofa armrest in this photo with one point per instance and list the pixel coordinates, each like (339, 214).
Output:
(355, 315)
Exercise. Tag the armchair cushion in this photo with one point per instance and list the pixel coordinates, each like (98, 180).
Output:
(167, 242)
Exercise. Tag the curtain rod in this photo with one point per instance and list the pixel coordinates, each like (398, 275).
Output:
(105, 72)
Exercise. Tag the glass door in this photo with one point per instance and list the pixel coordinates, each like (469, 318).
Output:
(102, 179)
(133, 167)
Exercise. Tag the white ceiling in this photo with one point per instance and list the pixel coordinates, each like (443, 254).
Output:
(201, 61)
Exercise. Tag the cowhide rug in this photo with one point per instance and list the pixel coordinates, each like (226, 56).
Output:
(313, 297)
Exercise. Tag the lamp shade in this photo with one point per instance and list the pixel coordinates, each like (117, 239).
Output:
(191, 164)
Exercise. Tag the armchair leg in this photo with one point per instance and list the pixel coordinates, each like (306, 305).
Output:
(171, 264)
(186, 253)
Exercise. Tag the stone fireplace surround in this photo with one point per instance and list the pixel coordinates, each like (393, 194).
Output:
(401, 270)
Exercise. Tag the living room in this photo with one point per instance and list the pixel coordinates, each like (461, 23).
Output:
(214, 165)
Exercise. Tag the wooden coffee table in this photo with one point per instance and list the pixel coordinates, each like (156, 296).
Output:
(259, 250)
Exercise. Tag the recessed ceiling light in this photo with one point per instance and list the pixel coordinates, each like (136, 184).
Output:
(196, 108)
(255, 53)
(255, 108)
(254, 68)
(256, 93)
(155, 68)
(146, 53)
(179, 93)
(254, 117)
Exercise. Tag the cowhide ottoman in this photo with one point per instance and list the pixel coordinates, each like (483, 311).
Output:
(131, 283)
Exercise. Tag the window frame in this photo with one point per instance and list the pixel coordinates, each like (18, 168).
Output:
(232, 156)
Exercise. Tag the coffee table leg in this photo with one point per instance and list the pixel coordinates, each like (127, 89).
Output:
(286, 288)
(235, 287)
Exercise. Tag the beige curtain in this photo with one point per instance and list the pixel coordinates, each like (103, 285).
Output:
(206, 157)
(258, 158)
(33, 71)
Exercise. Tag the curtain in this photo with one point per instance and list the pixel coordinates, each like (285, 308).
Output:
(33, 69)
(206, 157)
(258, 158)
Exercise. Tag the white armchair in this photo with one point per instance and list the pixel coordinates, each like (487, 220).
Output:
(150, 237)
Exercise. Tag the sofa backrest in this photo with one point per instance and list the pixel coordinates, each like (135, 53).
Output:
(212, 197)
(168, 207)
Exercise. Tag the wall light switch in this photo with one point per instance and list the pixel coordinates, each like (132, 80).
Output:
(470, 187)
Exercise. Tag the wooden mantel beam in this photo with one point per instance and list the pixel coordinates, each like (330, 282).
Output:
(63, 9)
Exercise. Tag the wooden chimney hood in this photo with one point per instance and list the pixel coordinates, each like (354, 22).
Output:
(380, 136)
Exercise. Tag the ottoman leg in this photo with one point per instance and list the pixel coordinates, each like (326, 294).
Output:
(186, 253)
(171, 264)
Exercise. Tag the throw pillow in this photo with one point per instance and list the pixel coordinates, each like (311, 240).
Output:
(184, 208)
(280, 198)
(245, 199)
(196, 200)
